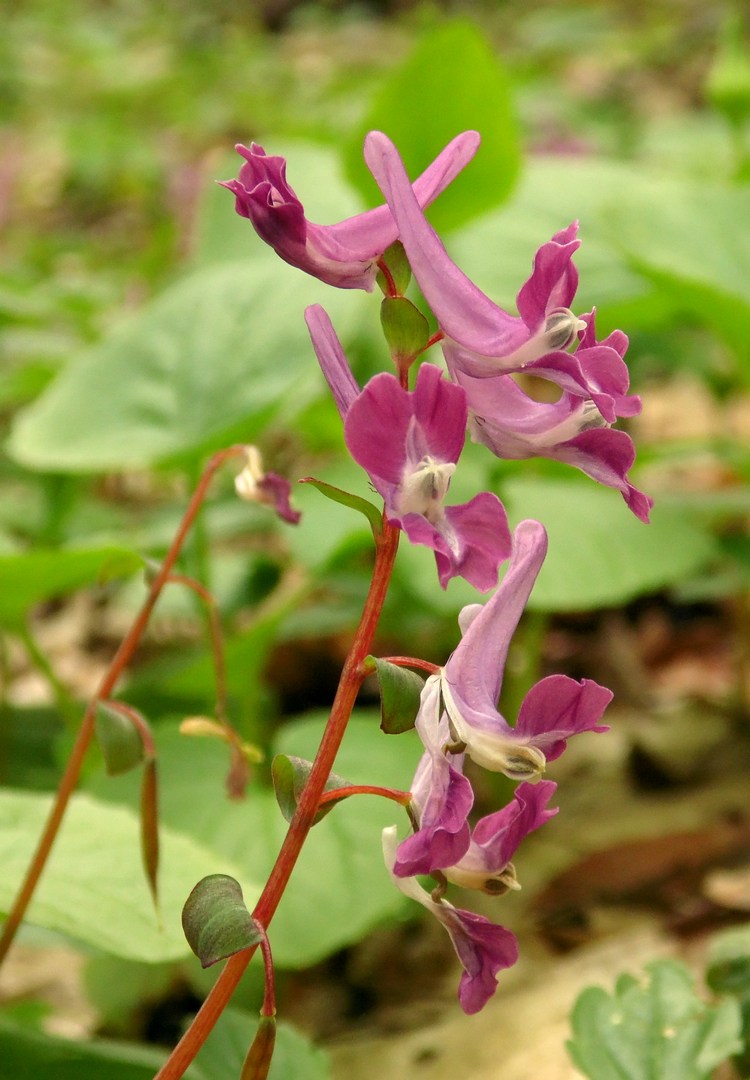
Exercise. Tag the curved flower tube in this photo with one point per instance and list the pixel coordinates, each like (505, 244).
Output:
(345, 254)
(441, 796)
(481, 340)
(464, 313)
(483, 948)
(553, 710)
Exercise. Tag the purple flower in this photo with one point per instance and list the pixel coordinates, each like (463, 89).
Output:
(409, 443)
(481, 340)
(255, 485)
(500, 342)
(487, 865)
(483, 948)
(441, 800)
(441, 795)
(513, 425)
(552, 711)
(345, 254)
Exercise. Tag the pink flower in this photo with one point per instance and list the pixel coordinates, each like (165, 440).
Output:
(345, 254)
(553, 710)
(483, 948)
(409, 443)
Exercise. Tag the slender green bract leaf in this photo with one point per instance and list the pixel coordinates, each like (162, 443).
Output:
(290, 775)
(93, 888)
(31, 577)
(216, 921)
(400, 689)
(346, 498)
(260, 1055)
(656, 1028)
(422, 109)
(404, 327)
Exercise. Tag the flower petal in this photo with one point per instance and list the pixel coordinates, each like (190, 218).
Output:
(331, 358)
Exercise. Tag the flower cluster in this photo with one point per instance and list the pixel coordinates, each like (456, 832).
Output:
(409, 441)
(458, 717)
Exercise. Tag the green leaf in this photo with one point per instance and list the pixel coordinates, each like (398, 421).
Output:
(224, 1051)
(683, 237)
(93, 888)
(653, 1029)
(453, 81)
(553, 192)
(290, 775)
(27, 1054)
(354, 502)
(599, 554)
(400, 691)
(208, 362)
(120, 741)
(216, 921)
(34, 576)
(340, 887)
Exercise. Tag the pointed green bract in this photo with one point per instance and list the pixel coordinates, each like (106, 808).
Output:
(119, 739)
(398, 266)
(399, 695)
(404, 327)
(289, 778)
(346, 498)
(216, 921)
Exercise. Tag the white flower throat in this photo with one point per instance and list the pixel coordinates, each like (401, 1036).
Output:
(424, 486)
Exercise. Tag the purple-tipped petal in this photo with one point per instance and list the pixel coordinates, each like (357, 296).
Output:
(254, 484)
(461, 308)
(606, 456)
(499, 835)
(471, 541)
(474, 672)
(554, 279)
(486, 865)
(441, 795)
(514, 426)
(343, 255)
(557, 708)
(389, 429)
(409, 443)
(331, 358)
(483, 948)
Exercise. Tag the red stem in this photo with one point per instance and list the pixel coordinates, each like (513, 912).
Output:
(412, 661)
(120, 661)
(397, 796)
(304, 815)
